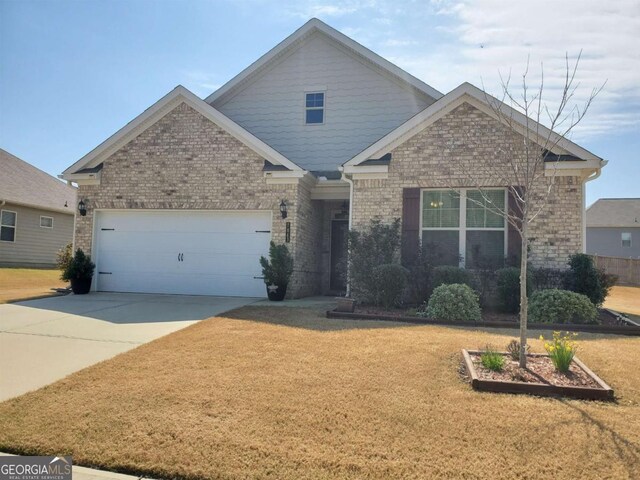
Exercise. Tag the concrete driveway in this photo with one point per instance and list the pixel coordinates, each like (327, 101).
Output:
(44, 340)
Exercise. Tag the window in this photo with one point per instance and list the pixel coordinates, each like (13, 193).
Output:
(626, 239)
(460, 228)
(46, 222)
(314, 108)
(8, 226)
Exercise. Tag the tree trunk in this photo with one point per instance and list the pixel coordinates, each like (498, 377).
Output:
(523, 294)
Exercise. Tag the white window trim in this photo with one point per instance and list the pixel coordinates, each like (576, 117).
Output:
(462, 223)
(44, 226)
(323, 108)
(622, 240)
(15, 227)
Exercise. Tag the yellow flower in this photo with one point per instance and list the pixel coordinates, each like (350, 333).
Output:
(541, 337)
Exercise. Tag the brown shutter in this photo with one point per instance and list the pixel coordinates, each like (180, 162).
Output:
(514, 240)
(410, 224)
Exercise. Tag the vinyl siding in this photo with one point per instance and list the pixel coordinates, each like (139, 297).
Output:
(35, 245)
(607, 241)
(361, 105)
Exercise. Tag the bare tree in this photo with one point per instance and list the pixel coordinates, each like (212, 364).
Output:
(527, 170)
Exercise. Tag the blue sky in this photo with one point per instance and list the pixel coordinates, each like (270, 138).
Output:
(74, 72)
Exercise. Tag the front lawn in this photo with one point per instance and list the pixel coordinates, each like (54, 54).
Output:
(285, 393)
(25, 283)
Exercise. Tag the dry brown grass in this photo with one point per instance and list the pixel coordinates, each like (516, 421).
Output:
(624, 299)
(25, 283)
(295, 395)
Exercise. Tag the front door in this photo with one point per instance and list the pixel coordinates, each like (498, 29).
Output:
(339, 230)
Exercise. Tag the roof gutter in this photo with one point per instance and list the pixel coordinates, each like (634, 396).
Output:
(589, 178)
(349, 180)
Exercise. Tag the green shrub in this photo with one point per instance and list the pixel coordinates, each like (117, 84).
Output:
(561, 306)
(453, 302)
(492, 359)
(544, 278)
(278, 268)
(448, 275)
(420, 272)
(588, 280)
(561, 350)
(369, 248)
(79, 267)
(508, 285)
(389, 282)
(64, 256)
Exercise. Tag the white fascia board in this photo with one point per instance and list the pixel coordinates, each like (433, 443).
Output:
(365, 169)
(154, 113)
(330, 190)
(307, 29)
(285, 174)
(369, 176)
(465, 93)
(83, 178)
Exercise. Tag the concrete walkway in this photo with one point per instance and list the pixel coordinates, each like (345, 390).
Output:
(44, 340)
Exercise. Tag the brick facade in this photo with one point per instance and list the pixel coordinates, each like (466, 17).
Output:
(454, 152)
(184, 161)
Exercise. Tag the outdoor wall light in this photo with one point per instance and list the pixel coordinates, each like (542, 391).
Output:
(82, 208)
(283, 209)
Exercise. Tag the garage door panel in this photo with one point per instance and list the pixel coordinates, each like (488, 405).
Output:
(167, 222)
(223, 264)
(138, 251)
(232, 286)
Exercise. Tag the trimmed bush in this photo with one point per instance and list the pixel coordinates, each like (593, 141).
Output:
(453, 302)
(508, 284)
(389, 282)
(588, 280)
(368, 249)
(544, 278)
(79, 267)
(278, 268)
(64, 257)
(561, 306)
(420, 272)
(448, 275)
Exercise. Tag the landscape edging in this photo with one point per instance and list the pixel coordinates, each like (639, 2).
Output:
(607, 329)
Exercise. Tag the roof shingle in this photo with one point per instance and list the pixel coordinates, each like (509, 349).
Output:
(24, 184)
(614, 212)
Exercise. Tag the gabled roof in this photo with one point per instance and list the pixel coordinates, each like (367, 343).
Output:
(24, 184)
(614, 212)
(478, 98)
(158, 110)
(297, 38)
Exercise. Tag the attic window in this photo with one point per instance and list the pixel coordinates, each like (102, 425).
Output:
(314, 108)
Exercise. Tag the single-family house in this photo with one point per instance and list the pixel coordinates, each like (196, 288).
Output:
(37, 212)
(613, 227)
(317, 136)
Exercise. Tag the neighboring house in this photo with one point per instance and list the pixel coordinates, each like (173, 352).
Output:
(185, 198)
(37, 212)
(613, 227)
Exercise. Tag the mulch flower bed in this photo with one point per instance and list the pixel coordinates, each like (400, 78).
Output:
(539, 378)
(539, 369)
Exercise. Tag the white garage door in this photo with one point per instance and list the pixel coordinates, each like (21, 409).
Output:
(182, 252)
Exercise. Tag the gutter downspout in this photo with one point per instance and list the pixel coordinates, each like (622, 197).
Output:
(591, 177)
(350, 182)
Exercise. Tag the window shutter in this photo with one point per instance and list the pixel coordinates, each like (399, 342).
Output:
(515, 242)
(410, 225)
